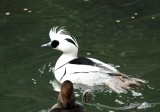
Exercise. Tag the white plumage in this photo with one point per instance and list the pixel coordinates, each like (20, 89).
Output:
(84, 70)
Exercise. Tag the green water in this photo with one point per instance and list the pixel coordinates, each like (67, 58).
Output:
(122, 32)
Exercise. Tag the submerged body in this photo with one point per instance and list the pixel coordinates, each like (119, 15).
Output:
(84, 70)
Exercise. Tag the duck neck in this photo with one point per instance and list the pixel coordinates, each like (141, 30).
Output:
(64, 58)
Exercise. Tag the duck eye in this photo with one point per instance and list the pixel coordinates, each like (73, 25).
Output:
(54, 43)
(71, 41)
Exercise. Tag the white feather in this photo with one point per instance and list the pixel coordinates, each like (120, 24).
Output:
(58, 30)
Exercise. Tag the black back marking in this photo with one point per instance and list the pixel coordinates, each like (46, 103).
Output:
(82, 61)
(114, 74)
(71, 41)
(63, 74)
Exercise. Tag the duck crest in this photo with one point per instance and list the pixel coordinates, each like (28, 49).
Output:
(58, 30)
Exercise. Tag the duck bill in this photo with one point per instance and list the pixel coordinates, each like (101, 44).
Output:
(48, 45)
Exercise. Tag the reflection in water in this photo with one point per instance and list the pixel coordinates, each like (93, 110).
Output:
(7, 13)
(56, 85)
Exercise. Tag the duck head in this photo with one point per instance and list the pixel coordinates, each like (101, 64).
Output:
(67, 100)
(67, 96)
(61, 40)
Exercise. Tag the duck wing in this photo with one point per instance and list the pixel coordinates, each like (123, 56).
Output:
(93, 62)
(109, 67)
(129, 82)
(116, 80)
(103, 67)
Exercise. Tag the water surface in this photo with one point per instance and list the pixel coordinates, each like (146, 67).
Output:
(123, 33)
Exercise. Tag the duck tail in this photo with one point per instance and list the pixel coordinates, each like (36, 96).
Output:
(135, 82)
(122, 83)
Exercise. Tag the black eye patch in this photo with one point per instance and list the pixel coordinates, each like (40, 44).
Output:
(71, 41)
(54, 43)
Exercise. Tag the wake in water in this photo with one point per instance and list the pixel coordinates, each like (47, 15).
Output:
(134, 100)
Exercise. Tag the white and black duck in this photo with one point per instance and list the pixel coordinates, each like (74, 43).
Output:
(84, 70)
